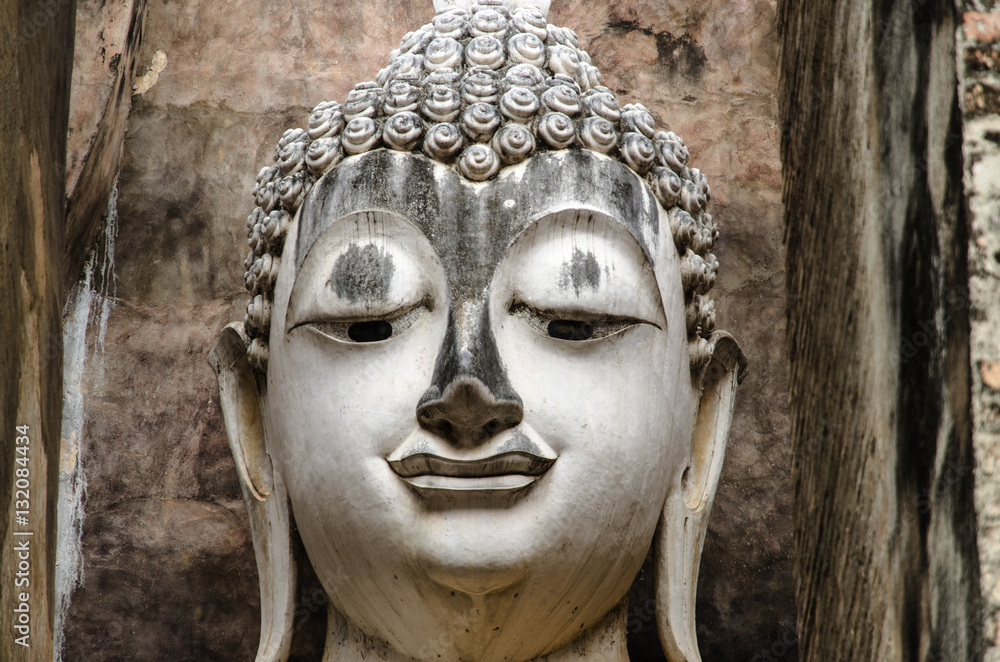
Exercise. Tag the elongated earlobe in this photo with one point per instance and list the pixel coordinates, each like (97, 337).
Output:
(263, 491)
(684, 522)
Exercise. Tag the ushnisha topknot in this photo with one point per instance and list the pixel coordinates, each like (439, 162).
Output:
(479, 89)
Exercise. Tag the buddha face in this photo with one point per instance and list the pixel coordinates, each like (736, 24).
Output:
(478, 396)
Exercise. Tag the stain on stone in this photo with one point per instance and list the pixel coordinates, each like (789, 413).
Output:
(362, 273)
(679, 56)
(982, 59)
(581, 271)
(982, 98)
(624, 193)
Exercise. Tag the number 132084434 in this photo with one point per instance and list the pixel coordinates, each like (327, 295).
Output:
(22, 477)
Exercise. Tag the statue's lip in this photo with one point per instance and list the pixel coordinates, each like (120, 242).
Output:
(512, 463)
(432, 486)
(502, 468)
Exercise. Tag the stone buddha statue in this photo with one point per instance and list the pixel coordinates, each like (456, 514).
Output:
(479, 372)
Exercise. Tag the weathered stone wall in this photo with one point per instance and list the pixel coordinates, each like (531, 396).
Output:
(168, 567)
(979, 89)
(107, 41)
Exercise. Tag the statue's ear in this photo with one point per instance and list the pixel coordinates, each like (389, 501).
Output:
(263, 491)
(684, 522)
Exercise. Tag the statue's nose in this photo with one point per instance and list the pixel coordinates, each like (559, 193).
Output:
(469, 400)
(469, 413)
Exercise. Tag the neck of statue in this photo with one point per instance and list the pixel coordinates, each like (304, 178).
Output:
(605, 642)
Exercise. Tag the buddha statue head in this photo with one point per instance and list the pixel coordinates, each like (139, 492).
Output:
(479, 372)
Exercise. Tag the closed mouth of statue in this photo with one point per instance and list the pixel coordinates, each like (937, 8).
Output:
(507, 469)
(502, 472)
(503, 468)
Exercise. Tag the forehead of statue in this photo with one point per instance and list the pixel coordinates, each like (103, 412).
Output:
(471, 225)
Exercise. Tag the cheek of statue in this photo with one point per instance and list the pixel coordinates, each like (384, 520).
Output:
(464, 469)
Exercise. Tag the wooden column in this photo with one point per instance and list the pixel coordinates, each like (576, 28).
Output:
(36, 57)
(878, 332)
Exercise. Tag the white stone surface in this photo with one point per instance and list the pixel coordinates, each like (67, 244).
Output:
(483, 479)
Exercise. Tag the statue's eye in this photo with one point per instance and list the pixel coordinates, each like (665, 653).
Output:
(370, 330)
(575, 327)
(579, 279)
(571, 329)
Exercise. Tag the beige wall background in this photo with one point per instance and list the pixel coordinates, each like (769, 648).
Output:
(168, 570)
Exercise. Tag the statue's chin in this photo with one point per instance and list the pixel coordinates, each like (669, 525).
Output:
(475, 580)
